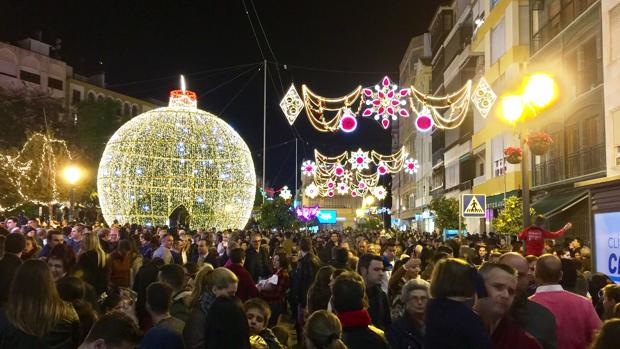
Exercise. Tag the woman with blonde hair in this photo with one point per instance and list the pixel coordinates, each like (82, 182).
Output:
(92, 263)
(35, 315)
(220, 282)
(323, 331)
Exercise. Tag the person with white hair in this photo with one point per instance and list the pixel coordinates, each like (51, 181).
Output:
(407, 332)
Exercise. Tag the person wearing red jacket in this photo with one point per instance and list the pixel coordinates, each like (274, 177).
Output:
(246, 288)
(535, 235)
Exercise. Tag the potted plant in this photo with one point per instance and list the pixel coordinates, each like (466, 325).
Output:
(513, 155)
(539, 142)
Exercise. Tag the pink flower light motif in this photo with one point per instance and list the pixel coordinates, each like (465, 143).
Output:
(386, 102)
(354, 193)
(330, 193)
(308, 168)
(359, 160)
(411, 166)
(361, 185)
(382, 168)
(330, 184)
(339, 171)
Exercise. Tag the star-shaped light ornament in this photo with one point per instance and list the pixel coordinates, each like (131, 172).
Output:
(386, 102)
(483, 97)
(308, 168)
(285, 193)
(378, 192)
(411, 166)
(342, 188)
(291, 104)
(311, 191)
(359, 160)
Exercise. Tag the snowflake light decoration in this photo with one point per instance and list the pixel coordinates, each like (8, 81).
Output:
(308, 168)
(196, 164)
(411, 166)
(312, 191)
(342, 188)
(285, 193)
(483, 97)
(291, 104)
(359, 160)
(386, 102)
(378, 192)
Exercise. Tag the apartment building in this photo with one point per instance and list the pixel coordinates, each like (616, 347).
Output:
(30, 65)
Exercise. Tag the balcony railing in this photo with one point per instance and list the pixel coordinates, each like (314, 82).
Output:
(584, 162)
(571, 9)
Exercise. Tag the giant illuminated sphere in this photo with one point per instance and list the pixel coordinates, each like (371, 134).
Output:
(177, 158)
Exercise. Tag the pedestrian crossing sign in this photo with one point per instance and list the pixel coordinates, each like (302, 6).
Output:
(474, 205)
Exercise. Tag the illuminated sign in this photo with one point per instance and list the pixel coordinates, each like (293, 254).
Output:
(607, 244)
(327, 216)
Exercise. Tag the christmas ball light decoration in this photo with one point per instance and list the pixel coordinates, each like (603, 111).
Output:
(348, 122)
(177, 158)
(424, 122)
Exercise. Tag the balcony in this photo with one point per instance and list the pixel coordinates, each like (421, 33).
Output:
(584, 162)
(456, 44)
(571, 9)
(440, 28)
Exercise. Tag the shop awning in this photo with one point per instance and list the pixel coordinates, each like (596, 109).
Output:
(497, 201)
(553, 204)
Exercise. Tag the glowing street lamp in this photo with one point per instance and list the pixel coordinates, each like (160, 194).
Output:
(72, 175)
(512, 108)
(540, 90)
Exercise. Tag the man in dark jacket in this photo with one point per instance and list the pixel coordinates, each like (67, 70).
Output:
(257, 259)
(348, 302)
(13, 247)
(371, 268)
(307, 266)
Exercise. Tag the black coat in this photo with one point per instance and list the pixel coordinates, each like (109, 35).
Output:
(403, 335)
(65, 335)
(88, 269)
(8, 267)
(451, 325)
(257, 263)
(307, 267)
(379, 307)
(364, 337)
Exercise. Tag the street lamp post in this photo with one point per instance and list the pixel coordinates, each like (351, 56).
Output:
(72, 175)
(539, 91)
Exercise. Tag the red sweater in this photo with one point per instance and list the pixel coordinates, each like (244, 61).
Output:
(246, 288)
(535, 236)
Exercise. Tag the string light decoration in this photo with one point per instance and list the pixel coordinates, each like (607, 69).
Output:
(316, 106)
(291, 104)
(385, 102)
(483, 97)
(34, 172)
(351, 172)
(285, 193)
(174, 158)
(445, 112)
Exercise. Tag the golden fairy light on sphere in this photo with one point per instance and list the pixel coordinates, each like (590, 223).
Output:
(177, 158)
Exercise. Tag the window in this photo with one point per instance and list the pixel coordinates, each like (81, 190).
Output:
(452, 175)
(614, 32)
(498, 41)
(497, 156)
(591, 135)
(134, 110)
(30, 77)
(8, 69)
(524, 25)
(572, 139)
(54, 83)
(91, 96)
(76, 97)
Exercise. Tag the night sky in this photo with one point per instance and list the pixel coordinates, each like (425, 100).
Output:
(332, 46)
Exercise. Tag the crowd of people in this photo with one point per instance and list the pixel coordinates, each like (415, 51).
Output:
(127, 286)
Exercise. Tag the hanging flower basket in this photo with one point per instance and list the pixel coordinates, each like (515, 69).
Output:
(539, 142)
(513, 155)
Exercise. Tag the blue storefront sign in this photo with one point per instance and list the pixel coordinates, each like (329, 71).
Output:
(607, 244)
(327, 216)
